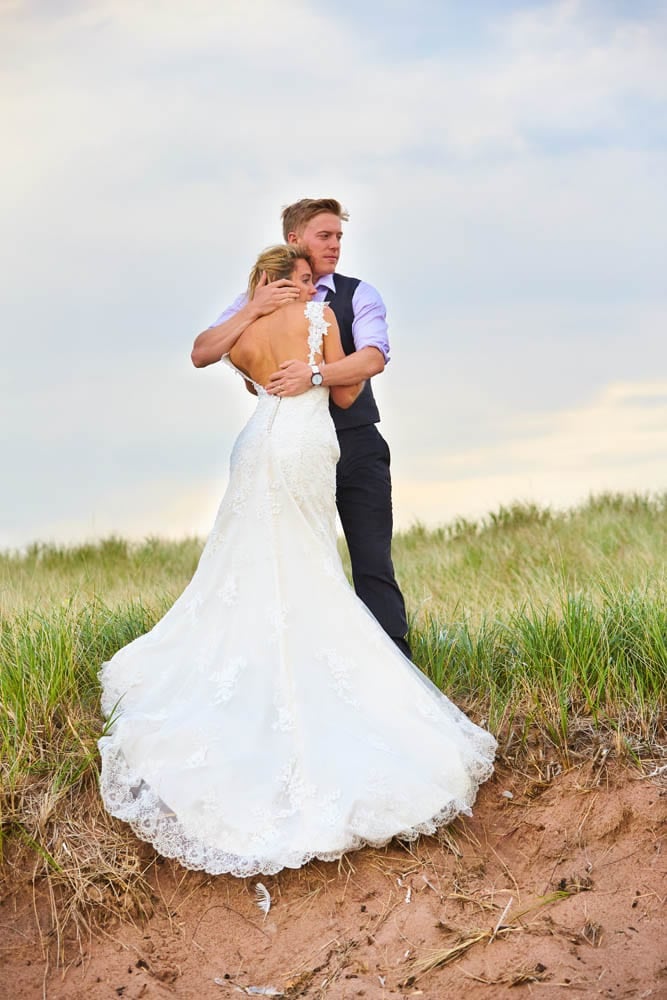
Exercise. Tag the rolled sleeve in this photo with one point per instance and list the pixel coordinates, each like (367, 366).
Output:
(369, 327)
(231, 310)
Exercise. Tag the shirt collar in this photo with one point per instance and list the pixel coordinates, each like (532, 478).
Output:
(327, 281)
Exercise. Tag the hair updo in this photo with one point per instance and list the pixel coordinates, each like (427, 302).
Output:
(278, 262)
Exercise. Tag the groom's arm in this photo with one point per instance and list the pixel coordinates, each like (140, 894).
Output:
(217, 340)
(356, 367)
(213, 343)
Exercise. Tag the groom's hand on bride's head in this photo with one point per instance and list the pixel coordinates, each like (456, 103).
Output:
(292, 378)
(270, 295)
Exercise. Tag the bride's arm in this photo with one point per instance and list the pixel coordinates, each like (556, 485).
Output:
(333, 353)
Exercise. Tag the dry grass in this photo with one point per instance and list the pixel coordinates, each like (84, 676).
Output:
(506, 924)
(93, 870)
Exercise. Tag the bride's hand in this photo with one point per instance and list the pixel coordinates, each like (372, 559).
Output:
(291, 379)
(270, 295)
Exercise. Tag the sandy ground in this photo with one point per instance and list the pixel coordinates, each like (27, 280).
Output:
(558, 889)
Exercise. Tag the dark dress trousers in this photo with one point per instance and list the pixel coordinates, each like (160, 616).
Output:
(363, 489)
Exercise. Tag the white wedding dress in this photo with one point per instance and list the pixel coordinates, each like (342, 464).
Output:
(268, 719)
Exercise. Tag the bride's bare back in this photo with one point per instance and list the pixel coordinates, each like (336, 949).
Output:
(283, 336)
(280, 336)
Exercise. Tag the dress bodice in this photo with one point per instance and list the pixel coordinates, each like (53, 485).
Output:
(303, 412)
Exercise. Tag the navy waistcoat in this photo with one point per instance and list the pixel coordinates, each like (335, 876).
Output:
(364, 410)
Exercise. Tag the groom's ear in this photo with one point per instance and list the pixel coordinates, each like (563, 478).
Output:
(292, 238)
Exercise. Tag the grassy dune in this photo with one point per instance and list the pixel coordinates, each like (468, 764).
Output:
(552, 627)
(520, 554)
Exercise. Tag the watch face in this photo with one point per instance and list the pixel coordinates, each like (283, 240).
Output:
(316, 378)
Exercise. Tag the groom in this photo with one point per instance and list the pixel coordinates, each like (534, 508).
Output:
(363, 480)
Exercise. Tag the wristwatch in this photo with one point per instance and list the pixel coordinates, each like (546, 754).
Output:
(316, 378)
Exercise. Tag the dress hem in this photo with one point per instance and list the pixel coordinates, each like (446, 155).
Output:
(131, 799)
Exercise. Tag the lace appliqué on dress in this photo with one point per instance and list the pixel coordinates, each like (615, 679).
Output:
(228, 593)
(317, 328)
(226, 680)
(339, 669)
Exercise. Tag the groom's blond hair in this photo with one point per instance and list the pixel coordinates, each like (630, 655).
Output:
(297, 216)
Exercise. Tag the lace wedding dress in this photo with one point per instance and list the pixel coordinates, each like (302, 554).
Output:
(267, 719)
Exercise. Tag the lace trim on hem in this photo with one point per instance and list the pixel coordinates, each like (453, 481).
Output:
(129, 798)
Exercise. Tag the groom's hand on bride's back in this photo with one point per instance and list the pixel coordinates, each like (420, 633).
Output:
(270, 295)
(292, 378)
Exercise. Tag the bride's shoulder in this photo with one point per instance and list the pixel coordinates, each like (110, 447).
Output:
(316, 310)
(308, 310)
(286, 311)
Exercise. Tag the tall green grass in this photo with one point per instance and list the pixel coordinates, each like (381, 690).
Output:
(524, 555)
(552, 627)
(45, 575)
(515, 555)
(597, 665)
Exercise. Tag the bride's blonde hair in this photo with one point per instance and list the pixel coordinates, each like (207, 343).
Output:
(278, 262)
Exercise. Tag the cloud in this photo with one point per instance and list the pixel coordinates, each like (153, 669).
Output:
(504, 174)
(614, 441)
(617, 441)
(249, 80)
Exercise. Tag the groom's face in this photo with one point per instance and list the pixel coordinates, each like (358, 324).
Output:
(321, 237)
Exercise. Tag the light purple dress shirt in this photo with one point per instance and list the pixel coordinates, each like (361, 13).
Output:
(369, 327)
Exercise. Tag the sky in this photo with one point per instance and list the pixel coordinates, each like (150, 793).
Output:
(503, 164)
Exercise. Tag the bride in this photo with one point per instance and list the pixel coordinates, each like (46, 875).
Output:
(268, 719)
